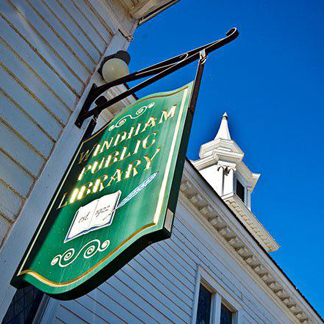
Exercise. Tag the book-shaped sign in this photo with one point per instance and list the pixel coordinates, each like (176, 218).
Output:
(117, 196)
(94, 215)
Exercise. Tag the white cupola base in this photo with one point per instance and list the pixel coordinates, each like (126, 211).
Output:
(221, 164)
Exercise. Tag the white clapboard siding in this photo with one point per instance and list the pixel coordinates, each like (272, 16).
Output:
(161, 298)
(48, 53)
(43, 10)
(52, 40)
(171, 258)
(57, 321)
(236, 282)
(82, 308)
(25, 81)
(19, 149)
(103, 295)
(164, 287)
(20, 181)
(207, 256)
(114, 306)
(129, 299)
(25, 127)
(73, 29)
(9, 202)
(101, 10)
(69, 316)
(151, 288)
(5, 226)
(17, 21)
(148, 287)
(96, 14)
(168, 273)
(162, 275)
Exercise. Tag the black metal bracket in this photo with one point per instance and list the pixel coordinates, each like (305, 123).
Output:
(159, 71)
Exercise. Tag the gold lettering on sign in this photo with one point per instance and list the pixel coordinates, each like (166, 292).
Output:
(112, 158)
(84, 156)
(165, 115)
(123, 155)
(100, 162)
(120, 138)
(85, 190)
(149, 160)
(150, 123)
(116, 177)
(132, 169)
(106, 145)
(146, 139)
(84, 170)
(138, 143)
(99, 183)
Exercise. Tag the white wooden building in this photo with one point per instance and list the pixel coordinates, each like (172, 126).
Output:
(217, 242)
(49, 54)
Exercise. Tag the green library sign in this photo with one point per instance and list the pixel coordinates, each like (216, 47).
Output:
(118, 196)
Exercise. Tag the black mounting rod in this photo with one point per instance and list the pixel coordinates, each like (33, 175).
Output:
(158, 71)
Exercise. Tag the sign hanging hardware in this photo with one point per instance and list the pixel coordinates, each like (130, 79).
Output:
(157, 71)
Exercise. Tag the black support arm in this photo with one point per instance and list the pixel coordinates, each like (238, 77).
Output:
(158, 71)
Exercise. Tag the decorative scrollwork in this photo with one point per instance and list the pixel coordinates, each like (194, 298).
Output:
(138, 113)
(89, 250)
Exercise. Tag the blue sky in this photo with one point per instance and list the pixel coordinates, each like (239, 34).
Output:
(270, 81)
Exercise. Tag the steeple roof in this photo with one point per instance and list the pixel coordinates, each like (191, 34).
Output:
(223, 131)
(222, 150)
(221, 164)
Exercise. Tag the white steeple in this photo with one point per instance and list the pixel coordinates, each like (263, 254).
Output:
(223, 131)
(221, 164)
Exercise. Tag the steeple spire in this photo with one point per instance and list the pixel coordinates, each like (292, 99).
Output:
(223, 131)
(221, 164)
